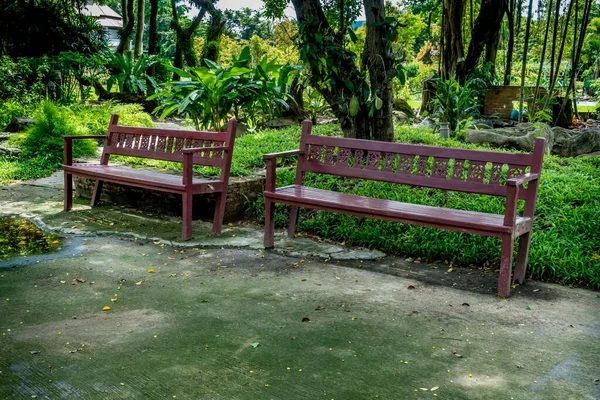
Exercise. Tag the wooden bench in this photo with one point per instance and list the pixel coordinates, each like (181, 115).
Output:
(187, 147)
(471, 171)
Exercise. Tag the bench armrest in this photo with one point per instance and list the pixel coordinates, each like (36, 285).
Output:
(272, 156)
(68, 141)
(192, 150)
(520, 180)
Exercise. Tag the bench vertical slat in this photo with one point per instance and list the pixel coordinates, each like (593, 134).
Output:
(373, 160)
(515, 170)
(344, 156)
(458, 170)
(496, 173)
(422, 165)
(440, 168)
(476, 171)
(406, 164)
(389, 161)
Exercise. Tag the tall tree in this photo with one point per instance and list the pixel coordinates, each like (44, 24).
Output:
(184, 49)
(486, 34)
(153, 28)
(452, 41)
(138, 48)
(363, 106)
(523, 69)
(128, 25)
(212, 38)
(510, 16)
(542, 58)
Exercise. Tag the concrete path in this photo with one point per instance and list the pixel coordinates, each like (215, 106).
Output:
(223, 319)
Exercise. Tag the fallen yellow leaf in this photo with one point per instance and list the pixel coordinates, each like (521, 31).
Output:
(106, 308)
(151, 271)
(139, 283)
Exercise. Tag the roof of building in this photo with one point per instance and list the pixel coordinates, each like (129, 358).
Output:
(107, 17)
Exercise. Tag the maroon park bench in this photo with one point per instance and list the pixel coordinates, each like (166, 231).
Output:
(188, 147)
(509, 175)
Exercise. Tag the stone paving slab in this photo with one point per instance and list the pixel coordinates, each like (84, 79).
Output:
(221, 318)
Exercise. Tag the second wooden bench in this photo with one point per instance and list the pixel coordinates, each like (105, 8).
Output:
(509, 175)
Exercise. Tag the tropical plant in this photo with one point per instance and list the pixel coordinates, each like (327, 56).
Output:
(454, 103)
(130, 75)
(209, 95)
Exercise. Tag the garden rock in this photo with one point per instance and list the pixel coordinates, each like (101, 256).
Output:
(480, 125)
(325, 119)
(400, 118)
(426, 123)
(20, 124)
(9, 151)
(572, 143)
(280, 123)
(520, 137)
(4, 136)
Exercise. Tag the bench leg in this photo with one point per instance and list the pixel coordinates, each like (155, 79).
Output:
(505, 266)
(269, 224)
(522, 255)
(68, 191)
(96, 193)
(219, 212)
(293, 221)
(186, 219)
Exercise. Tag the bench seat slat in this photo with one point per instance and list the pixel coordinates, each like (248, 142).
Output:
(466, 221)
(138, 177)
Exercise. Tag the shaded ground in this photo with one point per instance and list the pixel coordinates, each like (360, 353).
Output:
(223, 319)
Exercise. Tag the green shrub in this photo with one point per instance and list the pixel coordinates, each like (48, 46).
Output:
(44, 139)
(10, 110)
(95, 118)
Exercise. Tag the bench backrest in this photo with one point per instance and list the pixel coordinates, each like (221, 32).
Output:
(472, 171)
(167, 144)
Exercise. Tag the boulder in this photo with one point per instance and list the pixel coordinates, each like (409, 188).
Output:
(575, 142)
(20, 124)
(520, 137)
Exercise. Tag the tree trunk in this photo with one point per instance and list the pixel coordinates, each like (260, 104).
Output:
(452, 47)
(379, 61)
(553, 51)
(540, 71)
(523, 69)
(153, 34)
(584, 23)
(153, 28)
(486, 32)
(560, 54)
(128, 26)
(139, 35)
(510, 16)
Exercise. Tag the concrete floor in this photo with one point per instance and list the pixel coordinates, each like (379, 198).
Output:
(224, 319)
